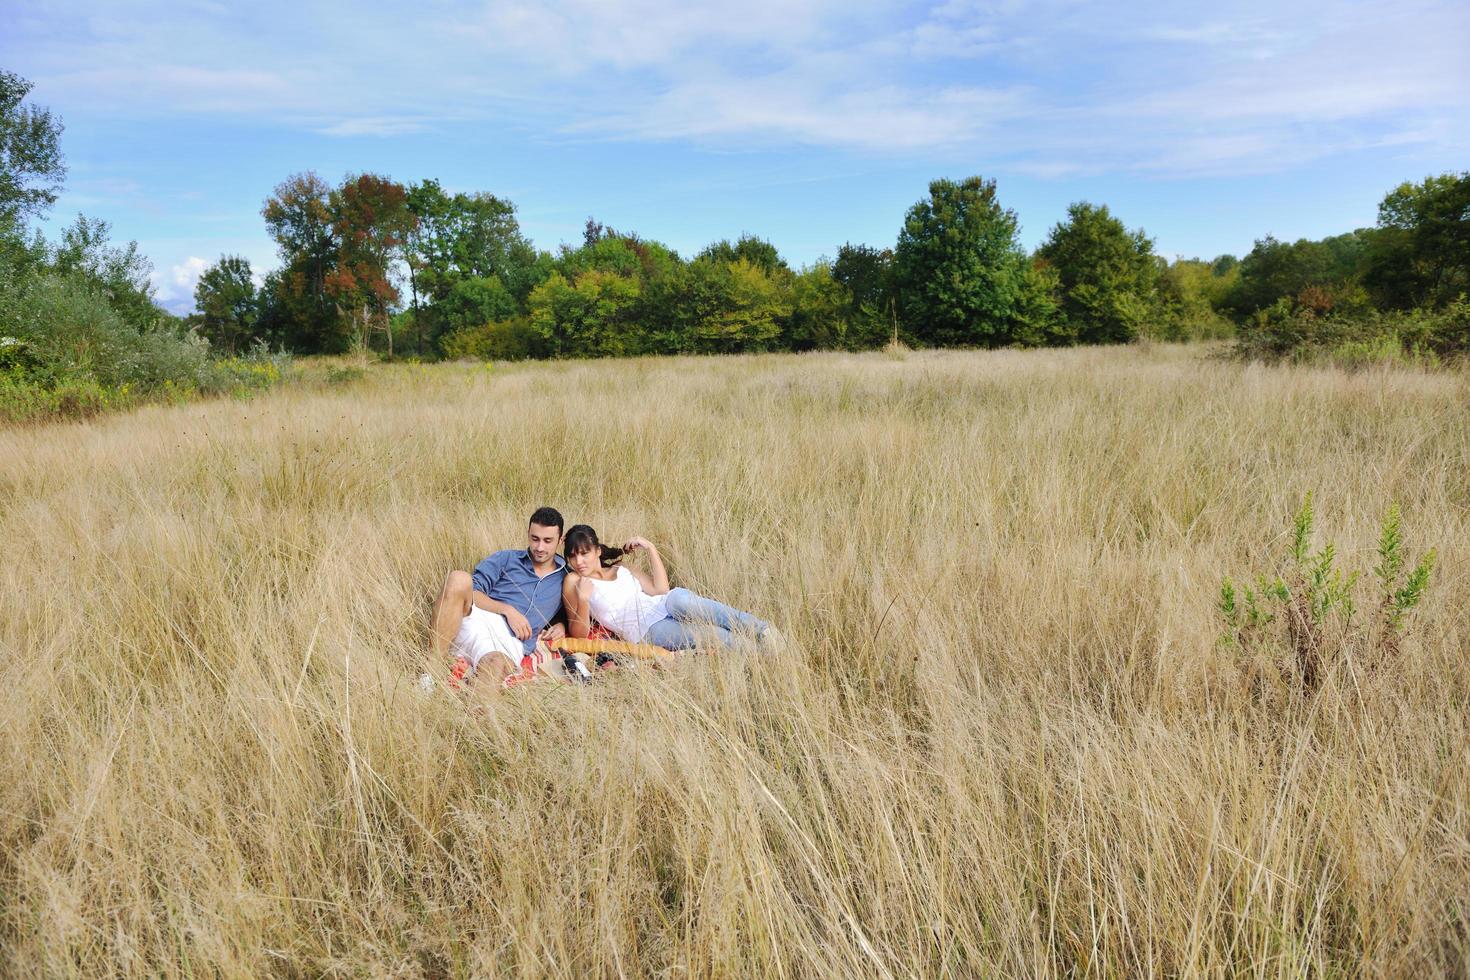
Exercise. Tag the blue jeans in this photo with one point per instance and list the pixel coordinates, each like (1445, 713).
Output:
(691, 617)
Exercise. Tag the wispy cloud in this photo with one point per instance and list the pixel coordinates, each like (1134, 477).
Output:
(1037, 86)
(375, 126)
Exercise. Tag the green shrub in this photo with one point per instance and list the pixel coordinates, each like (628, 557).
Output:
(256, 370)
(72, 331)
(344, 374)
(25, 399)
(17, 355)
(1298, 331)
(1304, 621)
(501, 340)
(1184, 325)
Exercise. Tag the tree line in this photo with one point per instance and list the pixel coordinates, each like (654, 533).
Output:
(417, 270)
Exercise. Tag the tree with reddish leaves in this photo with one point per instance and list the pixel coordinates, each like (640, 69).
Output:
(299, 217)
(372, 221)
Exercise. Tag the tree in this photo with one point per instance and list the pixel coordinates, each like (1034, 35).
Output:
(1420, 253)
(959, 269)
(225, 297)
(124, 276)
(1322, 273)
(757, 251)
(299, 217)
(750, 312)
(372, 221)
(592, 317)
(821, 311)
(1190, 293)
(868, 275)
(1107, 274)
(31, 165)
(474, 301)
(462, 238)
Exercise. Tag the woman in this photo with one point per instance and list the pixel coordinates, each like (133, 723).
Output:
(639, 606)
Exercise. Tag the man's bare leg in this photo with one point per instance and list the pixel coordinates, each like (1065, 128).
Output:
(494, 668)
(450, 609)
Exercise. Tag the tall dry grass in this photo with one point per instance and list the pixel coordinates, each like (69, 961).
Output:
(1006, 740)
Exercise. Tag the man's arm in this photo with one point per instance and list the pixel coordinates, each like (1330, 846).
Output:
(556, 627)
(519, 625)
(487, 573)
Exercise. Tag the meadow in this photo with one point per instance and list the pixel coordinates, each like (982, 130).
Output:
(1007, 738)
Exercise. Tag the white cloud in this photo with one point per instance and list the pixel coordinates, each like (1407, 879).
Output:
(175, 289)
(1039, 86)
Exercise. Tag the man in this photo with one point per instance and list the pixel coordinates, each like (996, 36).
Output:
(497, 615)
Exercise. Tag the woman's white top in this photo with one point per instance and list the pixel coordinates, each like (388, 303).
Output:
(623, 607)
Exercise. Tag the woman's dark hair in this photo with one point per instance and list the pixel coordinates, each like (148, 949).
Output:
(581, 537)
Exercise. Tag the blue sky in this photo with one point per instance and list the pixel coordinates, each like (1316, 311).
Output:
(808, 123)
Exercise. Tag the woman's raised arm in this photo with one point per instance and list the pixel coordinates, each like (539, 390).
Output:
(657, 581)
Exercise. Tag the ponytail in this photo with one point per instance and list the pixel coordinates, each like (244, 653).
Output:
(581, 537)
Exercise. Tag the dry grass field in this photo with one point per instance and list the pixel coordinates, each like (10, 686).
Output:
(1007, 738)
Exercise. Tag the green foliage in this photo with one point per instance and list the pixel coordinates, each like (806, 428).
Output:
(123, 275)
(468, 262)
(475, 300)
(1288, 331)
(1190, 293)
(1107, 275)
(227, 304)
(959, 268)
(867, 273)
(820, 312)
(514, 339)
(1320, 275)
(1399, 593)
(76, 339)
(591, 317)
(1303, 618)
(31, 165)
(956, 277)
(1420, 256)
(756, 251)
(750, 316)
(79, 330)
(24, 399)
(1039, 321)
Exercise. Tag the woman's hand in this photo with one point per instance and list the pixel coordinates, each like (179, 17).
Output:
(656, 582)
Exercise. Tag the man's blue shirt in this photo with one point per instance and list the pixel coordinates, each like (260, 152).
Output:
(510, 577)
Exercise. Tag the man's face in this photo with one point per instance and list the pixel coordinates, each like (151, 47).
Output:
(542, 542)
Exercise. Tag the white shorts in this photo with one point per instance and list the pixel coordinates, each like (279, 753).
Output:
(482, 632)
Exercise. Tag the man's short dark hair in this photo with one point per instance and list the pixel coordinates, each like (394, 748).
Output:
(548, 517)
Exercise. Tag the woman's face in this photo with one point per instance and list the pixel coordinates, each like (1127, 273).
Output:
(583, 562)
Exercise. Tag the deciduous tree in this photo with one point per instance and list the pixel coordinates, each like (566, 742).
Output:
(31, 165)
(298, 216)
(959, 267)
(1420, 254)
(225, 297)
(372, 221)
(1107, 274)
